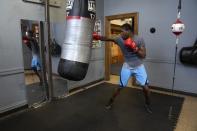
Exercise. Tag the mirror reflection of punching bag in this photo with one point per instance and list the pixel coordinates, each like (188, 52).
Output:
(76, 49)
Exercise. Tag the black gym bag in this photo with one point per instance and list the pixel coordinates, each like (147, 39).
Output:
(188, 55)
(55, 48)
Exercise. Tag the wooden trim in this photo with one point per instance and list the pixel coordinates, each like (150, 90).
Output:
(134, 15)
(122, 16)
(136, 21)
(107, 50)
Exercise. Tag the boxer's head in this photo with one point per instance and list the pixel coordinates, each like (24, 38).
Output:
(126, 31)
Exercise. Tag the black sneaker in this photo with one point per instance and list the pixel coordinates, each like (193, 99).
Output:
(148, 108)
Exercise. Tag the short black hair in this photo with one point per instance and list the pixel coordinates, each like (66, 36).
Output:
(127, 27)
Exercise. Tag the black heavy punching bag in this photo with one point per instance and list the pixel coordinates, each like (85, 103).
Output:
(76, 50)
(188, 55)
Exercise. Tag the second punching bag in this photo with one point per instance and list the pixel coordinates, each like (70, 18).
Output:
(76, 49)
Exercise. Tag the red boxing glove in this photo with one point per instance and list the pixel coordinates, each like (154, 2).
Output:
(131, 44)
(96, 36)
(25, 40)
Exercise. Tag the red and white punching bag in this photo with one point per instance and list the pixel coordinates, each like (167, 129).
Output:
(178, 27)
(76, 49)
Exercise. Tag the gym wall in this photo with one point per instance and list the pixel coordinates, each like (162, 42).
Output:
(12, 92)
(161, 14)
(12, 88)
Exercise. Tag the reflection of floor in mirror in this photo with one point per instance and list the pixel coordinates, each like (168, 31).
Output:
(31, 77)
(37, 93)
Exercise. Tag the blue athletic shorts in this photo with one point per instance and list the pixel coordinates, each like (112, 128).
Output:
(35, 63)
(139, 73)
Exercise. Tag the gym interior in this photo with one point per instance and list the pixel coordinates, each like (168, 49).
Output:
(76, 75)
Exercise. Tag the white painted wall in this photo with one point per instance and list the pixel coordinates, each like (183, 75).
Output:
(161, 45)
(12, 83)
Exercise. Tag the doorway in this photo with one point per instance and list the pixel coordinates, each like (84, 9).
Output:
(113, 56)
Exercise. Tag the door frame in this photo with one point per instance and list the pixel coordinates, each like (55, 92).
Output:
(134, 15)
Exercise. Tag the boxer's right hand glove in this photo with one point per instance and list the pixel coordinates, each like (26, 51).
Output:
(25, 40)
(131, 44)
(96, 36)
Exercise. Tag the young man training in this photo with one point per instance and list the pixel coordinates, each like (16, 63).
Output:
(31, 42)
(134, 51)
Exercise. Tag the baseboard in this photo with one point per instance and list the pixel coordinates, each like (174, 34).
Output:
(85, 85)
(11, 71)
(175, 91)
(13, 108)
